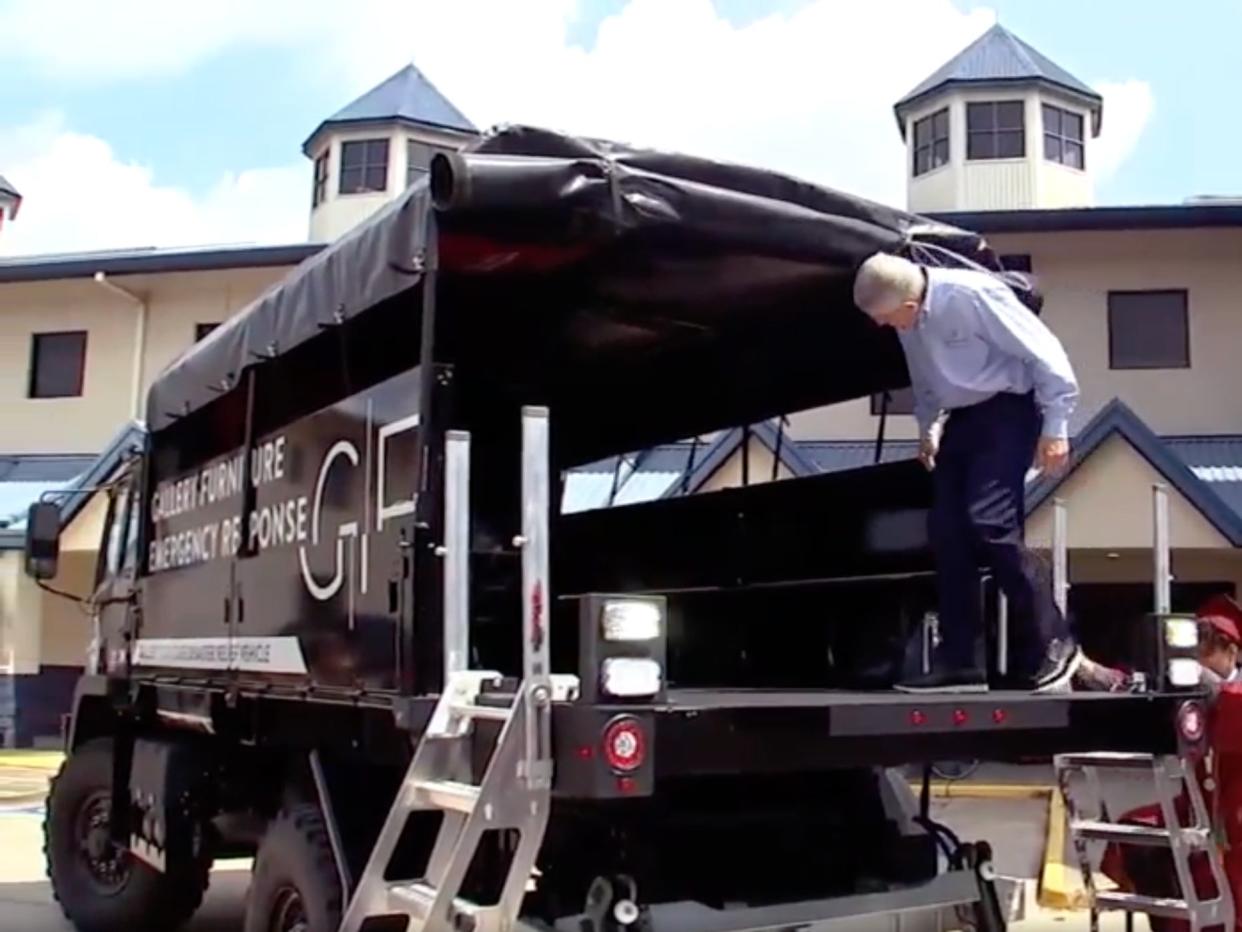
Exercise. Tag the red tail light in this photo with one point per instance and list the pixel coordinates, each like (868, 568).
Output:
(625, 744)
(1191, 722)
(960, 716)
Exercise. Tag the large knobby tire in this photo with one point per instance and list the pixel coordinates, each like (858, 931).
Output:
(101, 888)
(295, 886)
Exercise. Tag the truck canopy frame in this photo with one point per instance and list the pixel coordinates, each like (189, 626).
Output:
(643, 296)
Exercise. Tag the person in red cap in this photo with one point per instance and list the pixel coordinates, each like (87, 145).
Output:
(1150, 871)
(1220, 637)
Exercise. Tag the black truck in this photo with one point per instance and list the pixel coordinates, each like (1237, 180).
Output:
(342, 625)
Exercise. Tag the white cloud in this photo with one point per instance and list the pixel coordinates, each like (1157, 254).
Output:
(1128, 107)
(808, 92)
(76, 195)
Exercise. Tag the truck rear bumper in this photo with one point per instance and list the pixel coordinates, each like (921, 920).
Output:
(704, 732)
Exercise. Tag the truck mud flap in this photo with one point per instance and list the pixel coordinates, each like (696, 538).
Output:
(929, 907)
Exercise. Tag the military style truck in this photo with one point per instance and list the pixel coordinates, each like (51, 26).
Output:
(342, 626)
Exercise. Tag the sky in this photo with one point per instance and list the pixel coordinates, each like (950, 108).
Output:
(180, 122)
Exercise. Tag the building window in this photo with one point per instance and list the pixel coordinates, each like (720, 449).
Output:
(995, 130)
(320, 192)
(931, 142)
(1016, 262)
(364, 166)
(417, 160)
(900, 401)
(1063, 137)
(57, 364)
(1148, 330)
(201, 330)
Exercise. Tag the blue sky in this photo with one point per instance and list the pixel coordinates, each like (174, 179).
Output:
(205, 131)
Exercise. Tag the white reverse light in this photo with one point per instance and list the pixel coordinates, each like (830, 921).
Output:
(632, 620)
(631, 676)
(1184, 672)
(1181, 632)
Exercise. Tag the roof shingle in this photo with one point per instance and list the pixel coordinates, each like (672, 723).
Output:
(998, 56)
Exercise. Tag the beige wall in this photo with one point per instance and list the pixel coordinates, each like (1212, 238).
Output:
(1109, 507)
(38, 628)
(729, 475)
(175, 301)
(1076, 271)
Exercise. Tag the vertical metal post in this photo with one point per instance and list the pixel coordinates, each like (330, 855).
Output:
(456, 552)
(1060, 555)
(1002, 634)
(1160, 546)
(536, 598)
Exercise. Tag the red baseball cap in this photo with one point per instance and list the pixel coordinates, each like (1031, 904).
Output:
(1223, 614)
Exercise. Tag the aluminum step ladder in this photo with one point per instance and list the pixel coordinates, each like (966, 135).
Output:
(515, 791)
(1170, 777)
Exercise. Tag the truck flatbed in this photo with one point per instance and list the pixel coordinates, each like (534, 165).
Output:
(698, 731)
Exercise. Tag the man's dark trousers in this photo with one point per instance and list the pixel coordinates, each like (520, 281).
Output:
(977, 520)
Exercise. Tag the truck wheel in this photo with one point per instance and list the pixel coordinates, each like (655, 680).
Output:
(295, 886)
(99, 887)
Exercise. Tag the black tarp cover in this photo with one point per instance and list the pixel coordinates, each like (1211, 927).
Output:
(713, 240)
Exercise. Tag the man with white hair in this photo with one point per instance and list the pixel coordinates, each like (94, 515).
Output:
(993, 392)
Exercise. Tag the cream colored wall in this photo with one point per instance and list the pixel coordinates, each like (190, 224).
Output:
(20, 612)
(940, 188)
(1111, 566)
(1057, 185)
(67, 624)
(64, 425)
(729, 475)
(1109, 507)
(1001, 184)
(175, 303)
(1076, 271)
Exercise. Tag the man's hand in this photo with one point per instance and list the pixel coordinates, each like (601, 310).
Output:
(928, 447)
(1053, 454)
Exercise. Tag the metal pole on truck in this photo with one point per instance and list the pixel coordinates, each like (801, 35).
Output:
(536, 597)
(1060, 555)
(1160, 541)
(456, 552)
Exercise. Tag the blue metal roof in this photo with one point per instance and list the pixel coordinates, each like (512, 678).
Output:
(1058, 220)
(41, 474)
(1000, 57)
(836, 455)
(406, 97)
(150, 259)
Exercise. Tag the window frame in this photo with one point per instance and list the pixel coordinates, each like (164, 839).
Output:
(1061, 138)
(410, 169)
(994, 131)
(366, 166)
(32, 380)
(319, 181)
(203, 329)
(894, 410)
(1184, 295)
(1017, 262)
(933, 143)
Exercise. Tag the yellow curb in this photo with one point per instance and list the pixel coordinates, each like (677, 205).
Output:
(35, 760)
(966, 790)
(1060, 884)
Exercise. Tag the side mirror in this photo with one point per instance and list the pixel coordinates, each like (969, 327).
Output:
(42, 540)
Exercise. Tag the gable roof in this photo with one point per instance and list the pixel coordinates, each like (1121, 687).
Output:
(1118, 419)
(724, 446)
(7, 188)
(1000, 57)
(97, 470)
(406, 97)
